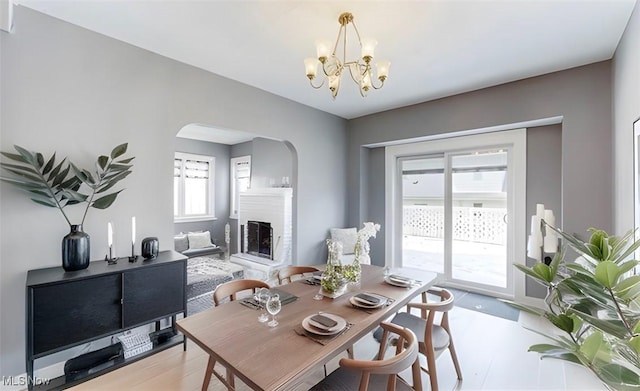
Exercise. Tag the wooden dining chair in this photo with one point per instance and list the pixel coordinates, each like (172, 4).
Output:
(381, 373)
(223, 291)
(433, 337)
(285, 274)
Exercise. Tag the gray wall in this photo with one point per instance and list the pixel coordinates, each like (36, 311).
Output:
(581, 95)
(544, 182)
(626, 110)
(270, 161)
(79, 93)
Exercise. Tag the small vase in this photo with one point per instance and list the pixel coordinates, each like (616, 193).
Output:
(75, 249)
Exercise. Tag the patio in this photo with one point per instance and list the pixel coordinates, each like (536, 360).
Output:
(473, 261)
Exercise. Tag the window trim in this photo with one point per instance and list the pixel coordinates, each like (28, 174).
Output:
(210, 215)
(233, 197)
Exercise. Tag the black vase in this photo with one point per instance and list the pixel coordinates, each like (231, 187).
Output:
(75, 249)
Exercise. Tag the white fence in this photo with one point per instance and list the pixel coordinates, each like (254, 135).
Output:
(485, 225)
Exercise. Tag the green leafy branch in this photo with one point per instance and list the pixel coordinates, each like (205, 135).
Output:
(108, 172)
(596, 303)
(57, 185)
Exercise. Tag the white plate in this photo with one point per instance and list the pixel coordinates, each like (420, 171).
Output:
(307, 324)
(389, 280)
(364, 304)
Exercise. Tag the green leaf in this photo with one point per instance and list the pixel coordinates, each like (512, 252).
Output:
(562, 321)
(49, 164)
(16, 157)
(635, 342)
(39, 159)
(557, 352)
(125, 161)
(543, 271)
(61, 177)
(627, 266)
(592, 346)
(24, 185)
(629, 288)
(618, 375)
(45, 203)
(56, 170)
(24, 175)
(604, 248)
(607, 273)
(74, 195)
(105, 201)
(529, 272)
(102, 161)
(26, 155)
(28, 169)
(119, 150)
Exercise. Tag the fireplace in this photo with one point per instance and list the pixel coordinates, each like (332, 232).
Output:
(260, 239)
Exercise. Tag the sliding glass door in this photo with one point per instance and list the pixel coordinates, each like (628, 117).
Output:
(454, 209)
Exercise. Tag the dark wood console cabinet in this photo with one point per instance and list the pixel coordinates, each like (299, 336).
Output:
(66, 309)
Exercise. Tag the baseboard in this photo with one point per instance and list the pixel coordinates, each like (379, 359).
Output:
(40, 376)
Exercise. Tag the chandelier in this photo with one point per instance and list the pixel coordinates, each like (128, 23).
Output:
(333, 66)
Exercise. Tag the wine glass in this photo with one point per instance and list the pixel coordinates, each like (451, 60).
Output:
(273, 307)
(262, 296)
(319, 295)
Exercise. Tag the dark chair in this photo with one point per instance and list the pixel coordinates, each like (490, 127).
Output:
(382, 373)
(433, 337)
(287, 272)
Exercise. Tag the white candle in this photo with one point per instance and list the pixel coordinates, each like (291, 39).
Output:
(550, 242)
(549, 218)
(533, 249)
(540, 210)
(536, 230)
(109, 234)
(133, 230)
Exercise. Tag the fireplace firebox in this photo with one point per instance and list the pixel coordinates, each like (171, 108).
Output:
(260, 239)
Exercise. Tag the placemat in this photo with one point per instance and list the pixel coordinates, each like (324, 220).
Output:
(285, 298)
(321, 339)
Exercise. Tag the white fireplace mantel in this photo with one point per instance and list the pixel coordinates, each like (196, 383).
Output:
(274, 206)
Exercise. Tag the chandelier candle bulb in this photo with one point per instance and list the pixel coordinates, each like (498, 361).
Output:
(368, 48)
(383, 69)
(323, 49)
(311, 65)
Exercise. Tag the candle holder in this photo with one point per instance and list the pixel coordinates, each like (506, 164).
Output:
(543, 239)
(110, 259)
(133, 257)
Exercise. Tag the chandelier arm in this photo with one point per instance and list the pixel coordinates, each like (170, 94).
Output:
(318, 86)
(335, 46)
(357, 32)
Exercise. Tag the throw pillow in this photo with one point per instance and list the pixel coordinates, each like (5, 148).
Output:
(181, 242)
(199, 240)
(348, 238)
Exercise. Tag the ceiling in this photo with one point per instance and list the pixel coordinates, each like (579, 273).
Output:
(437, 48)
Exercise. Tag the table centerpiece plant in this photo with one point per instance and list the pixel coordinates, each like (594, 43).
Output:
(58, 185)
(595, 304)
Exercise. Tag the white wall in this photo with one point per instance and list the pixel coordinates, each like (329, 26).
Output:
(626, 109)
(79, 93)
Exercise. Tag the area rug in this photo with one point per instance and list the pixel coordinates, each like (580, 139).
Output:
(199, 303)
(485, 304)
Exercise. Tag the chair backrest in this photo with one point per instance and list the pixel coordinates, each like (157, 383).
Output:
(406, 356)
(231, 288)
(287, 272)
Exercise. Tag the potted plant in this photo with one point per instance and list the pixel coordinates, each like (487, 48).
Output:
(595, 304)
(58, 185)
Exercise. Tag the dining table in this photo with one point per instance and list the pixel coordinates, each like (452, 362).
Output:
(282, 357)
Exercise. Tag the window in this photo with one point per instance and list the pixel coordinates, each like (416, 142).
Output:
(240, 181)
(193, 178)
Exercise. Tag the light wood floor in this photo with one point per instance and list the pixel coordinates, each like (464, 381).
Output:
(492, 353)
